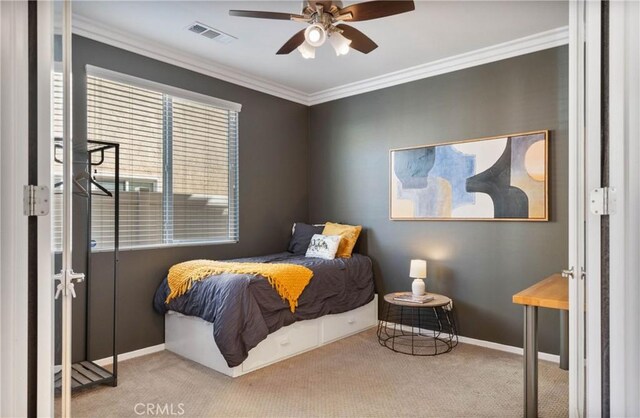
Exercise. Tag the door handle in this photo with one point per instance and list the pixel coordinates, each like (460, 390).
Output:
(66, 280)
(567, 273)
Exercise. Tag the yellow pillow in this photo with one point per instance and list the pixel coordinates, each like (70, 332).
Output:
(349, 235)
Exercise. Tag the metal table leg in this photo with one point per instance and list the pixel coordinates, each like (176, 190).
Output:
(564, 340)
(530, 361)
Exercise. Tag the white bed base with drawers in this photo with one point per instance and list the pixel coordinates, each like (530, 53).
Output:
(192, 337)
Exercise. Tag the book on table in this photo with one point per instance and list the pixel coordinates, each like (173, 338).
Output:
(408, 297)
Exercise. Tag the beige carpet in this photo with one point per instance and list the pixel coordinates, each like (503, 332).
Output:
(354, 377)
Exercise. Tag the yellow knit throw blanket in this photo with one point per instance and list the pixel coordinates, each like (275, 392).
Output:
(289, 280)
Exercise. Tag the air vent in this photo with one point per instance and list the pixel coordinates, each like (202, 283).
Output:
(211, 33)
(197, 28)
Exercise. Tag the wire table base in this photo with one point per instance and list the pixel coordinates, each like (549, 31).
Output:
(417, 330)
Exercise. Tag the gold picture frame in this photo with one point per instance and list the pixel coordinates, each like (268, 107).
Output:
(496, 178)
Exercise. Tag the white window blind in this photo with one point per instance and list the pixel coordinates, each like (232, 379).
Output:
(202, 176)
(178, 163)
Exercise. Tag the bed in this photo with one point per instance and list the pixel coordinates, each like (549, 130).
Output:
(237, 323)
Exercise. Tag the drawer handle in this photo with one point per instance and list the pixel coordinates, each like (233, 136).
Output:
(351, 321)
(284, 341)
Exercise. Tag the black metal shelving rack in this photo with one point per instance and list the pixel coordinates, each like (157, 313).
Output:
(86, 374)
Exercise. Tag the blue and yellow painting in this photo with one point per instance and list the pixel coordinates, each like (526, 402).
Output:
(500, 178)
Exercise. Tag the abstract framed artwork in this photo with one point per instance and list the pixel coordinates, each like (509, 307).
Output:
(501, 178)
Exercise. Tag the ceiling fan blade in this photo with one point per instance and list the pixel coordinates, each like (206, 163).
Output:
(359, 41)
(306, 8)
(295, 41)
(263, 15)
(376, 9)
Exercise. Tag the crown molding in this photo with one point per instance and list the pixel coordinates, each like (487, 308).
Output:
(99, 32)
(521, 46)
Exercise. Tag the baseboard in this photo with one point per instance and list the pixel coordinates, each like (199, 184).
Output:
(465, 340)
(496, 346)
(507, 348)
(131, 354)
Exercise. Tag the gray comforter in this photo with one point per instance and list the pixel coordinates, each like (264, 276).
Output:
(244, 309)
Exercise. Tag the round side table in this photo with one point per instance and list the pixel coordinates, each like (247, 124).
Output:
(417, 329)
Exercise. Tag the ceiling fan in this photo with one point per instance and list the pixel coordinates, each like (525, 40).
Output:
(326, 20)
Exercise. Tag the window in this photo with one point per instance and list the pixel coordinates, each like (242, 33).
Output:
(178, 163)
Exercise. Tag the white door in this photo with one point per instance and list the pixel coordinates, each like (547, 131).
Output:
(56, 278)
(590, 369)
(16, 19)
(584, 227)
(56, 275)
(66, 277)
(624, 133)
(576, 208)
(14, 131)
(45, 121)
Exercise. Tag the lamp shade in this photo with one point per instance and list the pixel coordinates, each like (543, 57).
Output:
(315, 35)
(307, 51)
(418, 269)
(339, 43)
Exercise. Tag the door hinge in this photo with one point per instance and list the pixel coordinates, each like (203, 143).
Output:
(602, 201)
(35, 200)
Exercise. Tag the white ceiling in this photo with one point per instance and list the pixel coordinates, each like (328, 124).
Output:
(435, 30)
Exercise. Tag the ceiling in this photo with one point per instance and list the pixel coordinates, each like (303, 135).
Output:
(435, 30)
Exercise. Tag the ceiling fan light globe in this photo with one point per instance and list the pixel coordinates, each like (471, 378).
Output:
(339, 43)
(315, 35)
(307, 51)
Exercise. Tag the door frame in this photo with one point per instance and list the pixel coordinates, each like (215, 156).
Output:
(13, 224)
(14, 163)
(14, 153)
(624, 174)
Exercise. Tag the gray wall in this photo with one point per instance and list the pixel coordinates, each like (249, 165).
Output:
(479, 264)
(330, 162)
(273, 194)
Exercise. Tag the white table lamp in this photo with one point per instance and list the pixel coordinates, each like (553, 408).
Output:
(418, 272)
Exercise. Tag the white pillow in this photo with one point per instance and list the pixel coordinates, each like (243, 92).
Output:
(323, 246)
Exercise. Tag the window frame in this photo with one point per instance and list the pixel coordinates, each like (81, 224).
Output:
(169, 93)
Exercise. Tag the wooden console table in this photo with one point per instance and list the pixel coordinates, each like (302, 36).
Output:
(553, 293)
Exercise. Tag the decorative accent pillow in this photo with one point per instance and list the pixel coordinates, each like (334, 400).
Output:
(301, 237)
(323, 246)
(349, 234)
